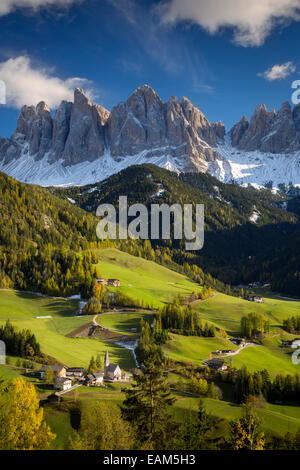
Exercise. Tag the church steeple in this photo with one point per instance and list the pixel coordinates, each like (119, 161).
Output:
(106, 362)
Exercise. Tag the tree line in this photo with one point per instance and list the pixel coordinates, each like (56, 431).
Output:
(283, 388)
(21, 343)
(292, 324)
(184, 321)
(254, 325)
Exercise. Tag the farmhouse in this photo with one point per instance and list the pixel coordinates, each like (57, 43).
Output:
(254, 298)
(112, 372)
(238, 341)
(94, 380)
(223, 351)
(59, 371)
(62, 383)
(294, 343)
(109, 282)
(217, 364)
(75, 372)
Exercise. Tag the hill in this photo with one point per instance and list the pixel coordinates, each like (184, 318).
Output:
(143, 279)
(245, 228)
(40, 237)
(58, 317)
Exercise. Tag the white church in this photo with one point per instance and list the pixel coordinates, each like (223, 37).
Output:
(112, 372)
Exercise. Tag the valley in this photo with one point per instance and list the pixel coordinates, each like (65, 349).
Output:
(53, 320)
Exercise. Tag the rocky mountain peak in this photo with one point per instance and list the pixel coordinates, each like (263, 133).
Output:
(268, 131)
(83, 131)
(296, 117)
(42, 107)
(79, 96)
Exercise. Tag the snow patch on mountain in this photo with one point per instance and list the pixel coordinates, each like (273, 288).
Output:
(28, 170)
(255, 215)
(256, 168)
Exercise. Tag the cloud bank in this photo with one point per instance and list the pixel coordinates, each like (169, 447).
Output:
(28, 85)
(278, 72)
(251, 20)
(8, 6)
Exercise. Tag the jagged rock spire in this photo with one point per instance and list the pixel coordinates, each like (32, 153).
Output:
(268, 131)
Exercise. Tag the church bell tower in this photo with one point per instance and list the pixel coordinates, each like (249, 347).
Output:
(106, 363)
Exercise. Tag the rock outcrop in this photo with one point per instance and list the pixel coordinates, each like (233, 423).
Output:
(83, 131)
(175, 134)
(269, 131)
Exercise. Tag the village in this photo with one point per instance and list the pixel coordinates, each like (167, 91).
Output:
(67, 378)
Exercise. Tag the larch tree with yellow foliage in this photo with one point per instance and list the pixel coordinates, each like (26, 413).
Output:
(22, 425)
(246, 432)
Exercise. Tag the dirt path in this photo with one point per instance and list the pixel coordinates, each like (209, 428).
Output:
(235, 353)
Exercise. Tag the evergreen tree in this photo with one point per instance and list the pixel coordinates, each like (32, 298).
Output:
(146, 406)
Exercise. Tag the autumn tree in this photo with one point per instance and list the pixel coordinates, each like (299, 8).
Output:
(102, 428)
(49, 376)
(246, 432)
(22, 425)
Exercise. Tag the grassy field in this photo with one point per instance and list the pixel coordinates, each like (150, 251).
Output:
(193, 348)
(275, 360)
(226, 311)
(123, 322)
(276, 418)
(156, 285)
(22, 309)
(142, 279)
(22, 305)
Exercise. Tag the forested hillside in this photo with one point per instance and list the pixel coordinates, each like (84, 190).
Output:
(40, 239)
(248, 236)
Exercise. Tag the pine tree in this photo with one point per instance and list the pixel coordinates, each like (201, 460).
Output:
(146, 405)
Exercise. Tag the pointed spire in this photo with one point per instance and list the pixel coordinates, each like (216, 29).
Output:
(106, 361)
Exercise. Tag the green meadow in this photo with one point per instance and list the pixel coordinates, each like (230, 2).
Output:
(123, 322)
(279, 419)
(143, 279)
(195, 349)
(22, 309)
(226, 311)
(275, 360)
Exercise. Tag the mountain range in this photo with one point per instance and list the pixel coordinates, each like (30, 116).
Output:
(82, 142)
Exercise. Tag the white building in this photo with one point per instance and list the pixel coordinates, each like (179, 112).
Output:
(62, 383)
(112, 372)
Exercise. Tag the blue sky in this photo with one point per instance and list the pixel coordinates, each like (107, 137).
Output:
(113, 46)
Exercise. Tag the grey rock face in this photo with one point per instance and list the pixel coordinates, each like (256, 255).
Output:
(61, 128)
(296, 117)
(82, 131)
(238, 131)
(269, 131)
(85, 141)
(145, 123)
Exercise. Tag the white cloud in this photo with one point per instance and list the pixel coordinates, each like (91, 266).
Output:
(8, 6)
(28, 85)
(251, 20)
(278, 72)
